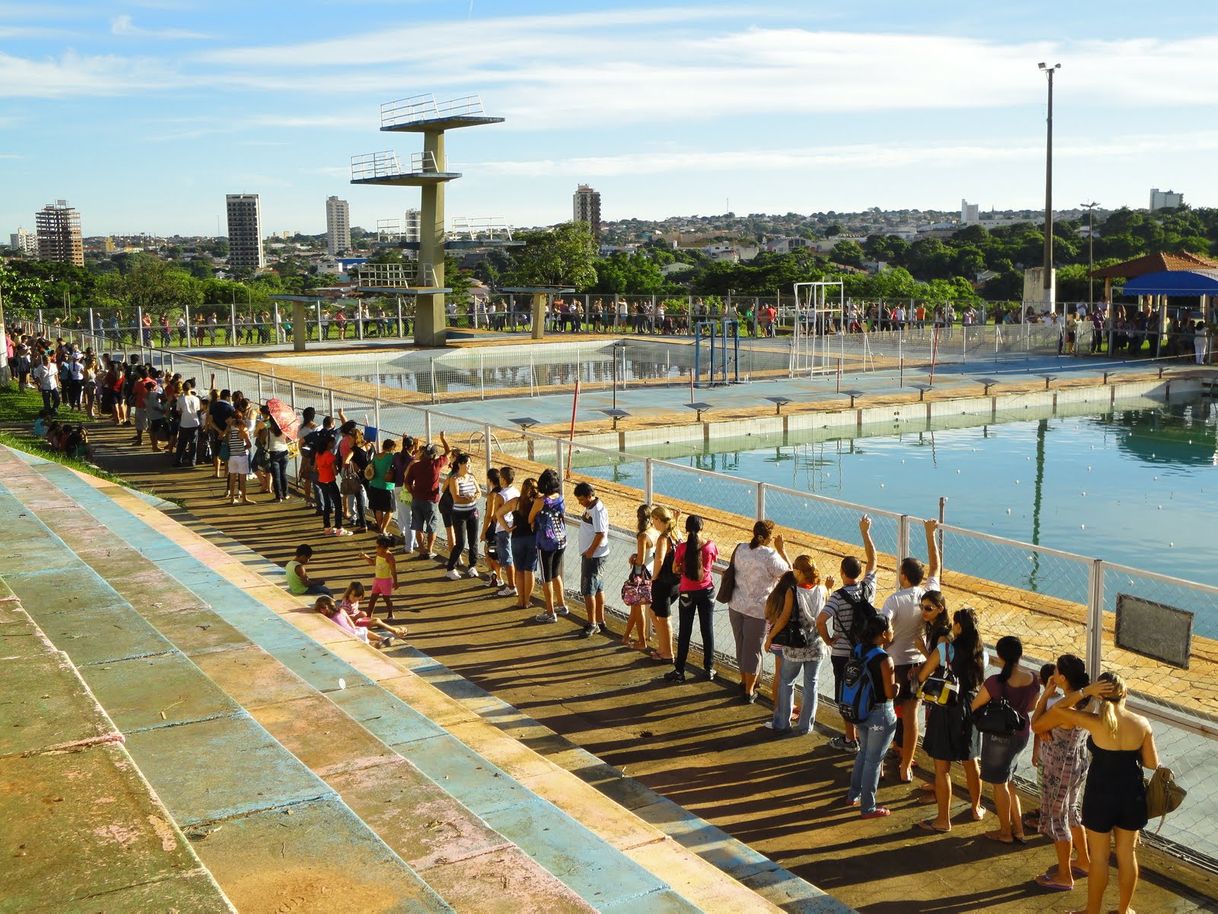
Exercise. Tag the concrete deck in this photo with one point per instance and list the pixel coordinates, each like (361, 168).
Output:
(692, 744)
(539, 835)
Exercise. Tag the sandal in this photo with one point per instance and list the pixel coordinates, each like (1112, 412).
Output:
(929, 825)
(653, 654)
(1045, 882)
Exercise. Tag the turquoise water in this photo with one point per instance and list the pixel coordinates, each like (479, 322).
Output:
(1135, 486)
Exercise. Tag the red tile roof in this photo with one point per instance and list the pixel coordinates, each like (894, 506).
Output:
(1158, 262)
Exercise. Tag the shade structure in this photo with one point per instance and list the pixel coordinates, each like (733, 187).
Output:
(1190, 283)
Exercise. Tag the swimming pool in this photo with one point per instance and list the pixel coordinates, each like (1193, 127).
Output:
(528, 367)
(1134, 486)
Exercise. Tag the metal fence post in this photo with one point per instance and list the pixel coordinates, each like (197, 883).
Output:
(433, 379)
(427, 425)
(486, 434)
(902, 543)
(228, 374)
(292, 395)
(189, 329)
(261, 399)
(481, 379)
(330, 406)
(761, 501)
(401, 329)
(649, 483)
(1095, 618)
(376, 417)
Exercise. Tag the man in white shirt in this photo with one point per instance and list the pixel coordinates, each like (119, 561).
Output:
(46, 376)
(903, 609)
(593, 547)
(188, 407)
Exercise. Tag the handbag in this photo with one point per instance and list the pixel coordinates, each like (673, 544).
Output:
(727, 580)
(943, 688)
(792, 634)
(1163, 795)
(636, 588)
(998, 717)
(350, 483)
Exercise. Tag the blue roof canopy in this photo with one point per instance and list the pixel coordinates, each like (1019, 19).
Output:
(1175, 283)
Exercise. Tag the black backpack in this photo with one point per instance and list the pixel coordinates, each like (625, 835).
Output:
(863, 613)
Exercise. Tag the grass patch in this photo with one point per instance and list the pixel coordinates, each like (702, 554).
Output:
(36, 446)
(19, 405)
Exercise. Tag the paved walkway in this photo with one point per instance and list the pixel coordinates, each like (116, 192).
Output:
(693, 744)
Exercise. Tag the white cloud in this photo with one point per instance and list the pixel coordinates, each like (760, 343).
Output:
(866, 156)
(73, 74)
(125, 26)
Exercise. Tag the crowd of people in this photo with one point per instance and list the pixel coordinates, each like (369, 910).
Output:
(906, 667)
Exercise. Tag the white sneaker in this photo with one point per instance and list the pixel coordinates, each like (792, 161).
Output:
(453, 575)
(562, 610)
(505, 592)
(472, 573)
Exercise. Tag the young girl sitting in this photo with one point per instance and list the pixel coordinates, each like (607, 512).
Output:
(328, 608)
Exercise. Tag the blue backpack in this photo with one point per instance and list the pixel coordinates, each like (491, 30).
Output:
(551, 526)
(859, 693)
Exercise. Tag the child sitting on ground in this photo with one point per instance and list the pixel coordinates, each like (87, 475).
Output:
(42, 423)
(384, 574)
(299, 582)
(350, 605)
(328, 608)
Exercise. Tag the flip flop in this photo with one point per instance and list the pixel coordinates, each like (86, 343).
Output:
(1076, 871)
(1051, 885)
(928, 825)
(989, 835)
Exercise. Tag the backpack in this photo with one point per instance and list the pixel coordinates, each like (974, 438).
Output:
(858, 695)
(1163, 795)
(863, 613)
(551, 527)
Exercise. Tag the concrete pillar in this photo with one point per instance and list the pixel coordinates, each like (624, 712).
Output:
(429, 317)
(300, 331)
(540, 300)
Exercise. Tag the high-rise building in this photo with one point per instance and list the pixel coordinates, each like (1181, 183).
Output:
(412, 226)
(58, 227)
(1165, 199)
(23, 242)
(588, 208)
(244, 232)
(970, 213)
(338, 226)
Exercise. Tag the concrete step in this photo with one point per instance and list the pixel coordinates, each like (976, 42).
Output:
(604, 871)
(124, 850)
(270, 832)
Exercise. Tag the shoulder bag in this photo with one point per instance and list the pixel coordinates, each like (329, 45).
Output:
(727, 581)
(942, 687)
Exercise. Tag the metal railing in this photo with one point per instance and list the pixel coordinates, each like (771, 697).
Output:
(419, 108)
(1055, 601)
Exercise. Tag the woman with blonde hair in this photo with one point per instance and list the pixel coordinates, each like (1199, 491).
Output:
(664, 580)
(1114, 801)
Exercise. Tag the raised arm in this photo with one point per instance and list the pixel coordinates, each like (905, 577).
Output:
(868, 545)
(934, 560)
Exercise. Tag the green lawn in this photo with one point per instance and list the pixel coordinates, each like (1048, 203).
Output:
(19, 407)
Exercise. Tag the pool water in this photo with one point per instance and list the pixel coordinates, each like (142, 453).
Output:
(1133, 486)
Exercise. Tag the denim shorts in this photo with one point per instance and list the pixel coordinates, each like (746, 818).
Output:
(424, 515)
(524, 553)
(591, 575)
(503, 548)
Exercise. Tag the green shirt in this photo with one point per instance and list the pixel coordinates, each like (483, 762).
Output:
(295, 584)
(382, 468)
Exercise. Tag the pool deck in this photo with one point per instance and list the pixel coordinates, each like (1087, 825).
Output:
(692, 744)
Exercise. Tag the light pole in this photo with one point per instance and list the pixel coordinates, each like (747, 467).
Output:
(1090, 208)
(1048, 269)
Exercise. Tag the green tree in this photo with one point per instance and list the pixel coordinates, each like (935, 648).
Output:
(564, 255)
(848, 252)
(634, 273)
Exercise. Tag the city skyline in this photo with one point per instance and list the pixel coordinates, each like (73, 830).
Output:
(666, 110)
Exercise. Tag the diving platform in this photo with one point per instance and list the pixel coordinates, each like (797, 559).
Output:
(423, 114)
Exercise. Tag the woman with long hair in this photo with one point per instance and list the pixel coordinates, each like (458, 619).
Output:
(1000, 752)
(515, 516)
(1063, 767)
(1114, 802)
(759, 564)
(463, 489)
(640, 563)
(793, 607)
(665, 578)
(549, 510)
(950, 736)
(695, 558)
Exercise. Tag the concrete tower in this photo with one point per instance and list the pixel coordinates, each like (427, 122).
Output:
(58, 228)
(244, 232)
(587, 208)
(338, 226)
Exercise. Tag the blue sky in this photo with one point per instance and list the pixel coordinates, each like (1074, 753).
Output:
(145, 113)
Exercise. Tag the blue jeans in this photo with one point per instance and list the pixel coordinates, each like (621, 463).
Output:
(875, 736)
(786, 694)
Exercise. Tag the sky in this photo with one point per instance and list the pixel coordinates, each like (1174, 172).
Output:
(143, 114)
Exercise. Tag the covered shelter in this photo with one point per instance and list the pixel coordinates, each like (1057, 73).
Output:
(1158, 262)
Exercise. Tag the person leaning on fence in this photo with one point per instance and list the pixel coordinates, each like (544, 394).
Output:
(958, 662)
(593, 552)
(548, 519)
(665, 579)
(1063, 769)
(758, 564)
(641, 561)
(462, 488)
(423, 482)
(503, 535)
(515, 517)
(858, 586)
(695, 558)
(1114, 801)
(903, 610)
(1000, 752)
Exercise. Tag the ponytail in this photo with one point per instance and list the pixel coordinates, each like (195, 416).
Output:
(777, 599)
(692, 565)
(1109, 705)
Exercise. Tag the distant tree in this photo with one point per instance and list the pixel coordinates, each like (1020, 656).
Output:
(633, 273)
(562, 255)
(848, 252)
